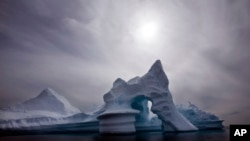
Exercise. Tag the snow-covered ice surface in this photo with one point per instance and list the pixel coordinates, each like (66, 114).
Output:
(154, 87)
(45, 109)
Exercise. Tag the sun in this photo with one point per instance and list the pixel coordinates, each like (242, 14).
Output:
(147, 29)
(147, 32)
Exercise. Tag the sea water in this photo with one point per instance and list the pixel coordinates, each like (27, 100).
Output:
(206, 135)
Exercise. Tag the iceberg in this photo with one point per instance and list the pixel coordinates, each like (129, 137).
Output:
(152, 86)
(45, 109)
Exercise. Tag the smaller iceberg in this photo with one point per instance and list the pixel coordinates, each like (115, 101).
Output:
(201, 119)
(48, 108)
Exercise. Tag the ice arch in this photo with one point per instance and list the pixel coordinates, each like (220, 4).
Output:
(153, 86)
(140, 103)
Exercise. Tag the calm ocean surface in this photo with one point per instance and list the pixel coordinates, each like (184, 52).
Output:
(212, 135)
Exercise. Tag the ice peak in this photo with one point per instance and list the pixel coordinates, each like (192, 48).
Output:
(47, 92)
(48, 89)
(157, 73)
(48, 100)
(156, 67)
(118, 82)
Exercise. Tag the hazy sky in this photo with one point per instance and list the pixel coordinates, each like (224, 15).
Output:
(79, 47)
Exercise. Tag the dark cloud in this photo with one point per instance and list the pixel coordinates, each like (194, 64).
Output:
(80, 47)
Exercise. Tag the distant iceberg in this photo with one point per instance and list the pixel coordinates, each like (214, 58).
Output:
(45, 109)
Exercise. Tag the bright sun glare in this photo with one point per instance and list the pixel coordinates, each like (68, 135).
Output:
(147, 32)
(146, 28)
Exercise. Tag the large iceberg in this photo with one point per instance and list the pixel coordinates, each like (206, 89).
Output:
(152, 86)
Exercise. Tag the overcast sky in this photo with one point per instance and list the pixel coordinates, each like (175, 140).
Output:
(79, 47)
